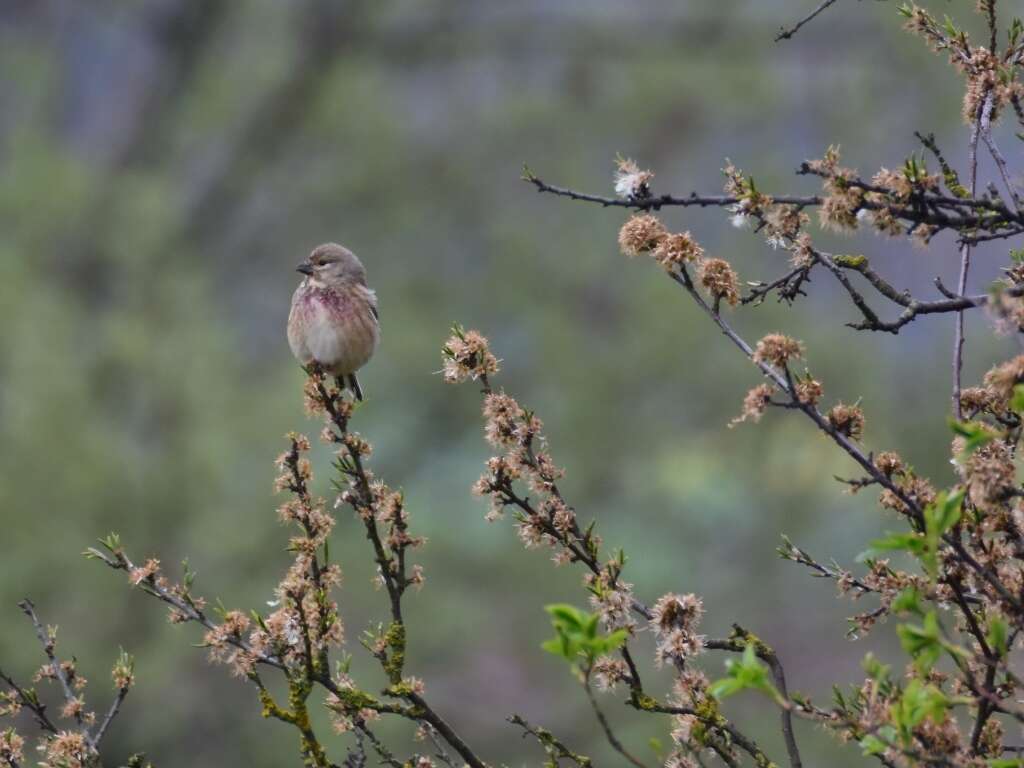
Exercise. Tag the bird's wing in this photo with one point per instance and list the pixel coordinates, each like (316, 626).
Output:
(371, 299)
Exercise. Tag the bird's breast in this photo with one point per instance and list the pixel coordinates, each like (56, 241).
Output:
(334, 327)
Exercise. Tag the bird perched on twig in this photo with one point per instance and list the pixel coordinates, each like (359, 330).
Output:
(333, 321)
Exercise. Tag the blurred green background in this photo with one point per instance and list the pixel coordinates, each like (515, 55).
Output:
(166, 163)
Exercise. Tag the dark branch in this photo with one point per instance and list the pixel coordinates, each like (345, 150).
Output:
(786, 34)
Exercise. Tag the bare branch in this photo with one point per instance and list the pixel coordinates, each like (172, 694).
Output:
(115, 707)
(613, 740)
(965, 255)
(785, 34)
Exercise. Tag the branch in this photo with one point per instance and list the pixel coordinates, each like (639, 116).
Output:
(582, 548)
(785, 34)
(965, 255)
(941, 211)
(31, 702)
(115, 707)
(119, 561)
(391, 567)
(552, 746)
(606, 726)
(737, 643)
(1000, 161)
(913, 509)
(655, 203)
(47, 642)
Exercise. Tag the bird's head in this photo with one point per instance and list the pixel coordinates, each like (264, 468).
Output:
(333, 264)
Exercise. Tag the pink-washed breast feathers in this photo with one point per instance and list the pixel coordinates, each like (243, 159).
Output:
(336, 327)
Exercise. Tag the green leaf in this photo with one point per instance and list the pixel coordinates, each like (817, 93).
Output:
(908, 601)
(656, 746)
(726, 687)
(911, 542)
(558, 646)
(943, 513)
(577, 637)
(745, 673)
(919, 702)
(568, 615)
(875, 669)
(1017, 401)
(922, 642)
(975, 433)
(872, 745)
(996, 634)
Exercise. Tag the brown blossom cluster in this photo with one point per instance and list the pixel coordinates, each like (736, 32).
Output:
(467, 357)
(990, 476)
(641, 234)
(838, 211)
(1000, 383)
(847, 420)
(67, 749)
(689, 733)
(674, 621)
(720, 280)
(752, 203)
(644, 233)
(808, 389)
(11, 747)
(608, 672)
(1006, 309)
(890, 195)
(755, 403)
(908, 485)
(777, 350)
(677, 249)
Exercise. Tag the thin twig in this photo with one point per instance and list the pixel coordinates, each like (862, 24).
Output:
(121, 562)
(785, 34)
(439, 751)
(965, 256)
(1000, 161)
(31, 702)
(552, 746)
(606, 726)
(115, 707)
(656, 202)
(55, 666)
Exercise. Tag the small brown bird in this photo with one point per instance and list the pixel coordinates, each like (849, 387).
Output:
(334, 320)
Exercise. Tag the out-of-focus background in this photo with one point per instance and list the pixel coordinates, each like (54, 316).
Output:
(164, 164)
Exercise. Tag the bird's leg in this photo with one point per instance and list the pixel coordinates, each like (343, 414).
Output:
(354, 386)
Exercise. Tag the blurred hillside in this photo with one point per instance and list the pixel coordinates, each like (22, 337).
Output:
(167, 162)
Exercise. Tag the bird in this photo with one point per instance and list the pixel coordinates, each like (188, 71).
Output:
(334, 322)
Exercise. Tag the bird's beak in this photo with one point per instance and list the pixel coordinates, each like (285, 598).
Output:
(305, 268)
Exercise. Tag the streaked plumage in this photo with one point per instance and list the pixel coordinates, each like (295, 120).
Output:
(333, 319)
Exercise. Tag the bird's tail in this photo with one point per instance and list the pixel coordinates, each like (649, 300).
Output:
(353, 384)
